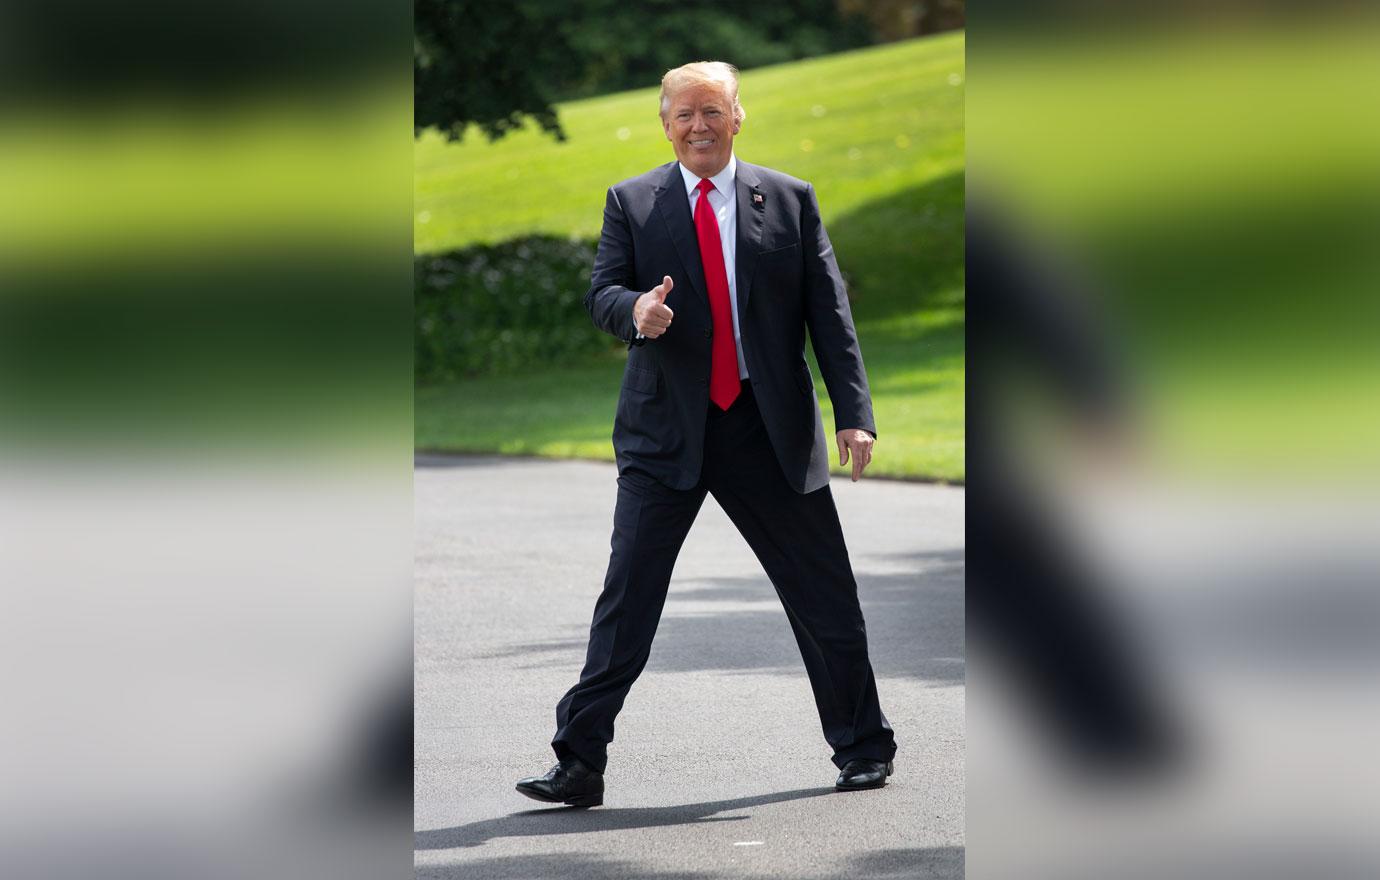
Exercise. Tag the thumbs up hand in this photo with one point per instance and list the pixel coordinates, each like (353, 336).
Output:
(662, 289)
(651, 315)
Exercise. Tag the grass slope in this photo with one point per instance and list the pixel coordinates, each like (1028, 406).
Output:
(880, 133)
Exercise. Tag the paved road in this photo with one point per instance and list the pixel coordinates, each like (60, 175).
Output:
(719, 768)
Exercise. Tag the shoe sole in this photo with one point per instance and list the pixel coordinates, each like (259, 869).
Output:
(579, 800)
(871, 785)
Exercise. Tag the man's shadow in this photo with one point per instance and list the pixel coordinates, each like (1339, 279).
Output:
(566, 820)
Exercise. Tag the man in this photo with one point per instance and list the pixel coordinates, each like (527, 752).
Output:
(711, 270)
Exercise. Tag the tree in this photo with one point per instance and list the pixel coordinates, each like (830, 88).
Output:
(484, 64)
(902, 19)
(497, 64)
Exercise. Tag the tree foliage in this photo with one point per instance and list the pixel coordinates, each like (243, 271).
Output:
(625, 46)
(495, 64)
(484, 63)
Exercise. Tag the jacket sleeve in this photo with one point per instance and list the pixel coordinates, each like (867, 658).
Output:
(609, 300)
(830, 321)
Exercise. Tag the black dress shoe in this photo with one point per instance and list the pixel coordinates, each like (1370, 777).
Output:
(571, 782)
(861, 773)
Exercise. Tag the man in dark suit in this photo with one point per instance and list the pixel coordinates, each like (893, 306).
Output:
(711, 270)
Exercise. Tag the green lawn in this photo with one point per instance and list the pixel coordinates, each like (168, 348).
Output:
(880, 133)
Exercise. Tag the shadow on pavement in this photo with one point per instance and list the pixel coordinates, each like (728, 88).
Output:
(921, 864)
(551, 866)
(933, 863)
(565, 820)
(915, 626)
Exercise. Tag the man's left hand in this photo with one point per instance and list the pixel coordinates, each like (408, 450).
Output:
(855, 443)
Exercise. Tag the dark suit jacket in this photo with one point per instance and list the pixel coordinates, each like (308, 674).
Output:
(787, 280)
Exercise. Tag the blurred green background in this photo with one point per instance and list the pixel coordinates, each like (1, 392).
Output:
(209, 274)
(1215, 187)
(507, 360)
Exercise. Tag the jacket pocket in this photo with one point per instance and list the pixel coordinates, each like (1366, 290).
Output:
(644, 381)
(779, 250)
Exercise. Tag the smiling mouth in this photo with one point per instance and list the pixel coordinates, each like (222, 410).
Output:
(701, 143)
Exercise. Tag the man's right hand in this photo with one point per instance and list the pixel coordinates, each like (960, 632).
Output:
(650, 313)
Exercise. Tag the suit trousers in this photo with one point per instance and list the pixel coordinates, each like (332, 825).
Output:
(799, 542)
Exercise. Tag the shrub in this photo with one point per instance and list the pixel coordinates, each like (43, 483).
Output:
(499, 308)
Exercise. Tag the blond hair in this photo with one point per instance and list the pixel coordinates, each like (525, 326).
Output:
(702, 73)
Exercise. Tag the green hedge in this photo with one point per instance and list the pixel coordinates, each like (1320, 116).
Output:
(499, 308)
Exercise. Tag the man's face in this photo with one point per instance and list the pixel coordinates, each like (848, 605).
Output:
(700, 125)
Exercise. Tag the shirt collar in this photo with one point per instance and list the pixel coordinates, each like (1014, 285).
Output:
(723, 181)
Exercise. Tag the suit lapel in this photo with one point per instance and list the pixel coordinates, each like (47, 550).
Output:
(750, 223)
(674, 207)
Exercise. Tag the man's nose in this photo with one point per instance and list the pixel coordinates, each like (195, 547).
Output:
(700, 124)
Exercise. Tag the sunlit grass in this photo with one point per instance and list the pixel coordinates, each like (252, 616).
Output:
(860, 126)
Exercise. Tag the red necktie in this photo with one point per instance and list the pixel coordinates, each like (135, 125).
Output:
(724, 384)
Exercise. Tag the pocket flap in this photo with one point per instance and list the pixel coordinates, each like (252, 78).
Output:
(640, 380)
(777, 249)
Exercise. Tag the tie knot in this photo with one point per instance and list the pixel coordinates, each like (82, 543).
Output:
(706, 186)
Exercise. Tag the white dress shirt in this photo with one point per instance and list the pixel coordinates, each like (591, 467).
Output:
(725, 204)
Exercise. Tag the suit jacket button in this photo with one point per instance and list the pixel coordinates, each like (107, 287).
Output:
(708, 334)
(704, 381)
